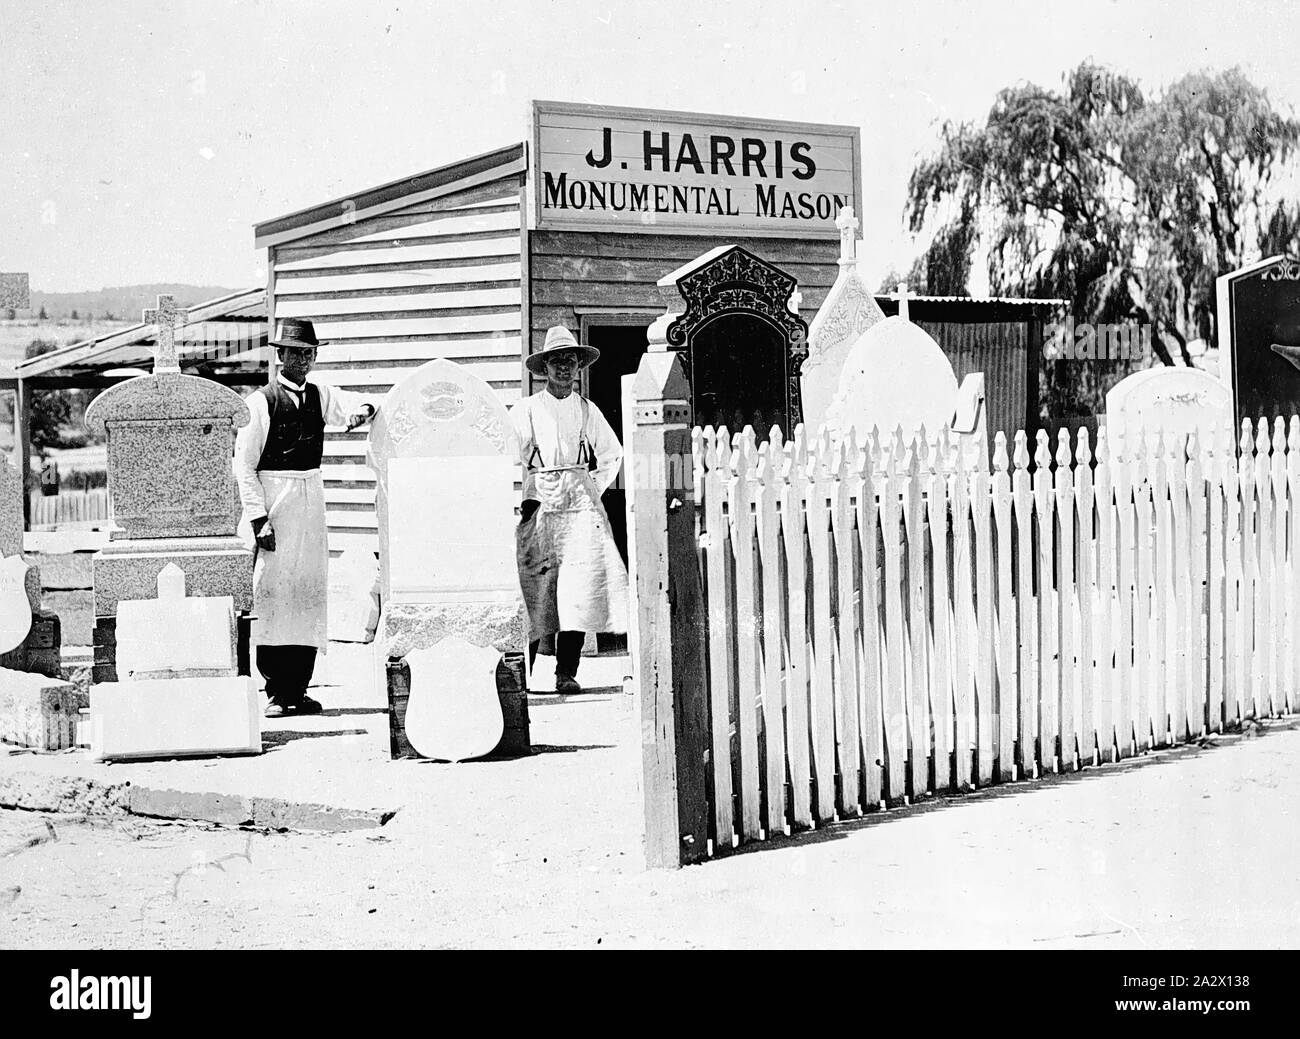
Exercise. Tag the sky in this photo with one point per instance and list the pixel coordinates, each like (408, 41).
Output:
(142, 140)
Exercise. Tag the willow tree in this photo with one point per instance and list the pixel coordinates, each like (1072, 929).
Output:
(1128, 207)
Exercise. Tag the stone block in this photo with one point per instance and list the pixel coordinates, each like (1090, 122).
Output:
(173, 718)
(62, 571)
(38, 711)
(405, 627)
(213, 567)
(75, 609)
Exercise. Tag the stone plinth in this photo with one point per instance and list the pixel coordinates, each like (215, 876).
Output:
(213, 566)
(37, 711)
(174, 718)
(409, 626)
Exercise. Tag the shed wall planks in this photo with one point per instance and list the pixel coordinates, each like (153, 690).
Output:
(441, 278)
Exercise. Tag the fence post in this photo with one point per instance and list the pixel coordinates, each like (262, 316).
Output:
(671, 687)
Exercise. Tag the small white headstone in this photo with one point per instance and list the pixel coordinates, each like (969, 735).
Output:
(454, 712)
(1174, 400)
(175, 634)
(15, 609)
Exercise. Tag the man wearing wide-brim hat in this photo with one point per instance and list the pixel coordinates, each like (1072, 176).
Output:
(277, 466)
(570, 570)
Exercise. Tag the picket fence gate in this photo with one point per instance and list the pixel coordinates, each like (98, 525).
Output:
(883, 624)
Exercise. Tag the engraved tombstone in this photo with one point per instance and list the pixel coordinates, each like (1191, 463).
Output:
(446, 461)
(170, 439)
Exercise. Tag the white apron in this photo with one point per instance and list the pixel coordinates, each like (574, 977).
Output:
(290, 585)
(570, 571)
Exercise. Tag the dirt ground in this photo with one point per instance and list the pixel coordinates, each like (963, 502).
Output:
(1194, 848)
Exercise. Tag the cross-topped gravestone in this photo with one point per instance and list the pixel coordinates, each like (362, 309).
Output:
(848, 225)
(847, 312)
(901, 295)
(168, 318)
(169, 439)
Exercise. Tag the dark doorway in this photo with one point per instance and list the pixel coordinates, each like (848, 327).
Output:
(738, 375)
(621, 348)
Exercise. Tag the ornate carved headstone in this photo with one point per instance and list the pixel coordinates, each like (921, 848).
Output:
(446, 459)
(170, 438)
(848, 311)
(741, 345)
(1259, 338)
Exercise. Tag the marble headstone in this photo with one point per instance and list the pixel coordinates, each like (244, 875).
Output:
(848, 311)
(446, 459)
(1259, 338)
(175, 635)
(1172, 400)
(894, 375)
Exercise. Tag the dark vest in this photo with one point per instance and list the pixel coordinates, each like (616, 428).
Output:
(296, 438)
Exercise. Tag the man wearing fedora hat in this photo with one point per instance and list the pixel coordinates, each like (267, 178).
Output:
(277, 466)
(570, 570)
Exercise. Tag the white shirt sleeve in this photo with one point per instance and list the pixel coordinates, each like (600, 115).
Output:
(609, 452)
(249, 443)
(524, 436)
(337, 406)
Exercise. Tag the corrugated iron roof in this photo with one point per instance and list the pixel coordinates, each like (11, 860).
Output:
(200, 332)
(1000, 300)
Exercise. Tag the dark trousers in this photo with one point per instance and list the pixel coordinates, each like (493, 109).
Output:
(287, 671)
(568, 651)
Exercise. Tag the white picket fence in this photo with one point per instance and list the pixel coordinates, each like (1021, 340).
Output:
(69, 508)
(882, 628)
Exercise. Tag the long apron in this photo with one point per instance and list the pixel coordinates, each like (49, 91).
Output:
(290, 585)
(570, 572)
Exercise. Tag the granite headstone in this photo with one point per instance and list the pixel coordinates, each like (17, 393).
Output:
(170, 438)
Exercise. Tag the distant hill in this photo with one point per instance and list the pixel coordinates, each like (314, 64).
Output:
(121, 304)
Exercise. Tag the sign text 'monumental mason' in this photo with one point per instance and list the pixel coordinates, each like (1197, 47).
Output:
(622, 169)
